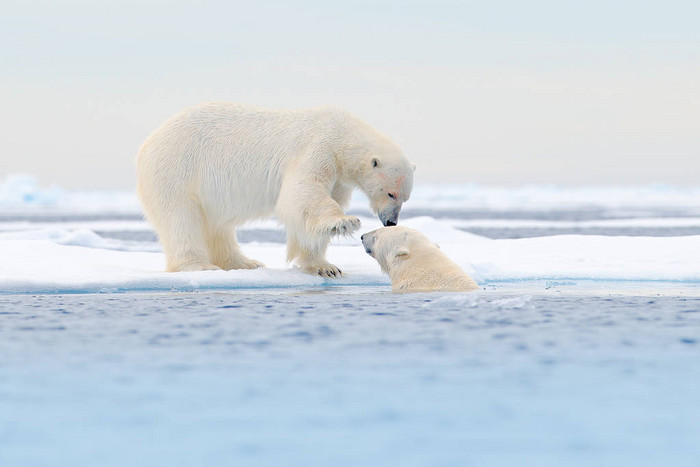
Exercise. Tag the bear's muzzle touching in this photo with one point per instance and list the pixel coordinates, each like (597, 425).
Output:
(414, 263)
(390, 216)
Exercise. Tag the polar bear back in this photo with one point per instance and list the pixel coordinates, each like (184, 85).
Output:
(221, 153)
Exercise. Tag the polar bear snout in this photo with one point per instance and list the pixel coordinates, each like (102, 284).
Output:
(390, 216)
(368, 242)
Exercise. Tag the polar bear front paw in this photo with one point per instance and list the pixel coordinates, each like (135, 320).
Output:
(344, 225)
(323, 269)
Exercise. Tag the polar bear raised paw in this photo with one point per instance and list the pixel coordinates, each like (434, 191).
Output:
(345, 225)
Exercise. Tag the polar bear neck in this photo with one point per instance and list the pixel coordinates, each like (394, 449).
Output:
(436, 272)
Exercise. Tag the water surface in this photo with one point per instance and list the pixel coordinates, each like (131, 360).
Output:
(351, 376)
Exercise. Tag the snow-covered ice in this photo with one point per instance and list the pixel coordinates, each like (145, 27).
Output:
(55, 260)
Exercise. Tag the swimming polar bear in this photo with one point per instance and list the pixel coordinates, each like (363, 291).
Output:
(414, 263)
(215, 166)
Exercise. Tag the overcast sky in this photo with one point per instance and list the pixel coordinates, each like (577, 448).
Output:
(500, 92)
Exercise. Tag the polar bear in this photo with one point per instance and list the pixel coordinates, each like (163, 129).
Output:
(414, 263)
(214, 166)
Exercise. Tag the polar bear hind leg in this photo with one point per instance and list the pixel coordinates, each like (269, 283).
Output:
(224, 250)
(183, 235)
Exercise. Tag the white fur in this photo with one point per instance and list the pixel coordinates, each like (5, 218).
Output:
(414, 263)
(215, 166)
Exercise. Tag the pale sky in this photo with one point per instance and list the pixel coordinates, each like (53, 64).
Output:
(498, 92)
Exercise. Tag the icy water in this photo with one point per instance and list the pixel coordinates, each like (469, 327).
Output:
(350, 376)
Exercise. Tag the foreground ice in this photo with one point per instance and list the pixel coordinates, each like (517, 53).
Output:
(53, 240)
(55, 261)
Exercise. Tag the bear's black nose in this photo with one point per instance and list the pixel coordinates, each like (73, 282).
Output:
(390, 223)
(362, 237)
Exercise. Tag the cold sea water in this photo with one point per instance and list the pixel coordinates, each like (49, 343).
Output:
(550, 373)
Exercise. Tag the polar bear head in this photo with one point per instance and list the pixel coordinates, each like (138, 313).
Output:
(393, 245)
(387, 179)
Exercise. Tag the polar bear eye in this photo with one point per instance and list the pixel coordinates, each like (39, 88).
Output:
(391, 195)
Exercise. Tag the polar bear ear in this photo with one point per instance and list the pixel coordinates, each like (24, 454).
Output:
(413, 166)
(400, 251)
(438, 246)
(375, 162)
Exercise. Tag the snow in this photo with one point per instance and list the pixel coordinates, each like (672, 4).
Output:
(589, 257)
(56, 260)
(24, 190)
(69, 247)
(78, 262)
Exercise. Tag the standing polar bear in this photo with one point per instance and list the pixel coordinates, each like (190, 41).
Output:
(215, 166)
(414, 263)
